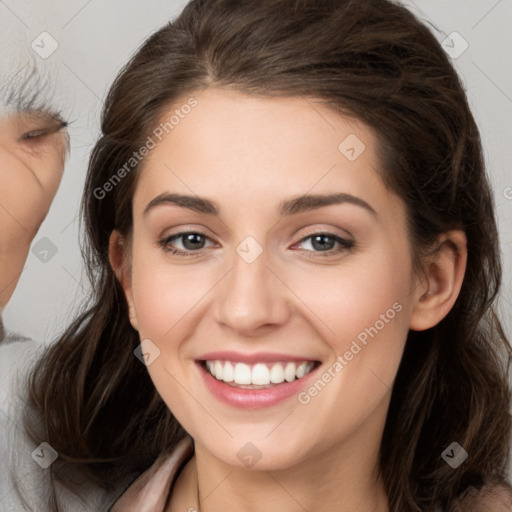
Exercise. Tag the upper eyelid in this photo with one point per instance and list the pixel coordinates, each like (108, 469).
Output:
(42, 131)
(335, 236)
(31, 120)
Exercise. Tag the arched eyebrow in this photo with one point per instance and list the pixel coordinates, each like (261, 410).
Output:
(314, 201)
(291, 206)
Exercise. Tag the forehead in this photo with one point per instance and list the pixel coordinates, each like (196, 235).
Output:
(263, 146)
(27, 82)
(24, 90)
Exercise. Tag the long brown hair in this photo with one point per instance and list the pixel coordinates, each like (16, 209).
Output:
(370, 59)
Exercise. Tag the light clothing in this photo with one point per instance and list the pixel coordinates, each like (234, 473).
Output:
(25, 485)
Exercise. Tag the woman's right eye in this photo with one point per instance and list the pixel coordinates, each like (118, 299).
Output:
(190, 242)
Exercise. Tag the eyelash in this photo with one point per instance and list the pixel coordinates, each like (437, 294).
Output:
(345, 244)
(43, 132)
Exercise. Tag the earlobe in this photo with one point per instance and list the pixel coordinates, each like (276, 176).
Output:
(438, 289)
(120, 266)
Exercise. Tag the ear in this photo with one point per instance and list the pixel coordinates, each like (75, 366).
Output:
(437, 290)
(117, 254)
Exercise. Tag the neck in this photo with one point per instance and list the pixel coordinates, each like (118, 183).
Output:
(344, 478)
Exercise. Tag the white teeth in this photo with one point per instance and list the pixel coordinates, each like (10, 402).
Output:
(228, 372)
(301, 370)
(218, 369)
(277, 373)
(242, 373)
(260, 374)
(289, 372)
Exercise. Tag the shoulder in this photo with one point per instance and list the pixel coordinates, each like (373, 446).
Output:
(17, 357)
(25, 474)
(18, 469)
(493, 497)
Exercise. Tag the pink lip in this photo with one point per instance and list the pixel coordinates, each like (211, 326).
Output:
(253, 398)
(258, 357)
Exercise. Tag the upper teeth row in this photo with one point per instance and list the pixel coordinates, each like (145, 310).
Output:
(258, 374)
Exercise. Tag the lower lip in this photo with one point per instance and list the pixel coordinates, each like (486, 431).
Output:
(253, 398)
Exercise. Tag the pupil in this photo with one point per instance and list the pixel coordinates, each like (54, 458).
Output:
(323, 242)
(193, 241)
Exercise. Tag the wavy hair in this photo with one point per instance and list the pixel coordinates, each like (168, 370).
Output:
(370, 59)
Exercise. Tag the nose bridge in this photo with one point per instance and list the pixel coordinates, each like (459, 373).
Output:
(251, 296)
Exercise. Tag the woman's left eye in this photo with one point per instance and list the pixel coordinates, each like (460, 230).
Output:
(184, 243)
(326, 243)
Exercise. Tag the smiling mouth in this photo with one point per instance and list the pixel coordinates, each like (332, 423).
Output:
(259, 375)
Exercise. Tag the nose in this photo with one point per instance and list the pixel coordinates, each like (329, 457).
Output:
(251, 299)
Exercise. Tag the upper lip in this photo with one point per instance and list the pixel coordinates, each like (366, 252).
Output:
(257, 357)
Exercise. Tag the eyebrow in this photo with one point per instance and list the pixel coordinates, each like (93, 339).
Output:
(291, 206)
(28, 92)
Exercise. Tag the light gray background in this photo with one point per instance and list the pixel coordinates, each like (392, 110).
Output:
(95, 39)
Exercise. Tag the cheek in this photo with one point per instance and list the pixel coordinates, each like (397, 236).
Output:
(362, 311)
(165, 295)
(354, 296)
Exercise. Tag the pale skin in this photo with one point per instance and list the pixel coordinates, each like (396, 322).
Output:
(33, 149)
(248, 155)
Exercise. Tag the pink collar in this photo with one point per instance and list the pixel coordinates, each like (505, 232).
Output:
(150, 491)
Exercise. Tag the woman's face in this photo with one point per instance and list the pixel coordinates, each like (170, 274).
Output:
(295, 259)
